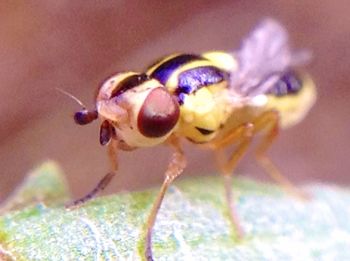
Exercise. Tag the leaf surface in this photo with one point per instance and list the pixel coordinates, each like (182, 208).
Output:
(192, 223)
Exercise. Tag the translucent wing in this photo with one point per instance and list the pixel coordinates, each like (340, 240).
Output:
(264, 55)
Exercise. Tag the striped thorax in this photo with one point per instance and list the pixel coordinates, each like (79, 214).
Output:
(200, 87)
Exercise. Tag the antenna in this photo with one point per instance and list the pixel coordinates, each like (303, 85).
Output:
(71, 96)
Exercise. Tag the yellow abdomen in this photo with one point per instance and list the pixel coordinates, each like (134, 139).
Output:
(293, 107)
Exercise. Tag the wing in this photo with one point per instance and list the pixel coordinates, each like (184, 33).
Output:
(264, 55)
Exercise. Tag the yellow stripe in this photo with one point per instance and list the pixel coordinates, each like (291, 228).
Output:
(223, 60)
(153, 67)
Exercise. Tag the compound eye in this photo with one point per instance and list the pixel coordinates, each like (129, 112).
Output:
(158, 114)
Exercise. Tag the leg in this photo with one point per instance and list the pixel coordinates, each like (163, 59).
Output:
(102, 184)
(243, 136)
(175, 168)
(269, 122)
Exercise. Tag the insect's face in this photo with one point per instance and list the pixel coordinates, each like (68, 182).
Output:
(142, 112)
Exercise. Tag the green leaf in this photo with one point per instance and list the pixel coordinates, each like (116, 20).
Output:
(44, 184)
(192, 223)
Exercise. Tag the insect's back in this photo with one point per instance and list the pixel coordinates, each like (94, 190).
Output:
(200, 84)
(291, 96)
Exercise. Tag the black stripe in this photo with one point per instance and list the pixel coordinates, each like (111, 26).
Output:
(204, 131)
(164, 70)
(289, 83)
(192, 80)
(128, 83)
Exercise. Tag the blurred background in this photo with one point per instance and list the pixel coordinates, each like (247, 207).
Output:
(75, 45)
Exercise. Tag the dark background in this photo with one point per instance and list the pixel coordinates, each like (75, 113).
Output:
(76, 45)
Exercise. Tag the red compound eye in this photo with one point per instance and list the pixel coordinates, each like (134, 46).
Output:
(159, 113)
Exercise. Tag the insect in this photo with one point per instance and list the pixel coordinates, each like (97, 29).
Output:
(215, 100)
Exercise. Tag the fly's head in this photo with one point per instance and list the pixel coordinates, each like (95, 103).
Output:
(137, 110)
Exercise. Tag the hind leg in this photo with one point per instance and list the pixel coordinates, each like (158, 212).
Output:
(268, 123)
(242, 136)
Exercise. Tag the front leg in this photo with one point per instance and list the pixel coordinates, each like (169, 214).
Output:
(175, 168)
(103, 183)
